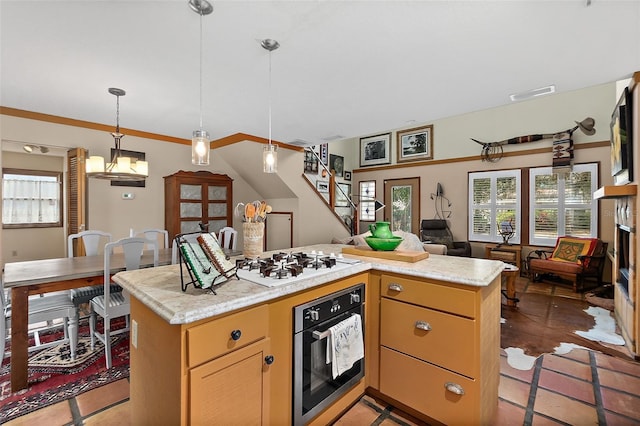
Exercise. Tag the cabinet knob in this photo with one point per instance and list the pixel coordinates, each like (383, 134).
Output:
(423, 325)
(235, 334)
(269, 359)
(395, 287)
(454, 388)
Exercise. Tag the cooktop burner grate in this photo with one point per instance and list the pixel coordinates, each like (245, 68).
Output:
(288, 266)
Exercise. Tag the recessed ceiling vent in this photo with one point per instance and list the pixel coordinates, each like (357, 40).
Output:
(533, 93)
(300, 142)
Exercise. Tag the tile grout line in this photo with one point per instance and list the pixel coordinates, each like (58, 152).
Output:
(597, 392)
(528, 416)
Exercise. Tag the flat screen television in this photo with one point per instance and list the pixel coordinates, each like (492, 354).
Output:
(622, 140)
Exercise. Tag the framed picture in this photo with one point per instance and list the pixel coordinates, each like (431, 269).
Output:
(415, 144)
(310, 162)
(322, 186)
(341, 199)
(347, 175)
(134, 155)
(374, 150)
(324, 153)
(336, 163)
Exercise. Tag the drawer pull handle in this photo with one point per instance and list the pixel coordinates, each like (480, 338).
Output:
(423, 325)
(395, 287)
(235, 334)
(454, 388)
(269, 359)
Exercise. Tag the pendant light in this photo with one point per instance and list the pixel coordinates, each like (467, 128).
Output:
(270, 152)
(121, 167)
(200, 142)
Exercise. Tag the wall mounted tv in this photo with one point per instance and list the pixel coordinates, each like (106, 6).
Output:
(622, 140)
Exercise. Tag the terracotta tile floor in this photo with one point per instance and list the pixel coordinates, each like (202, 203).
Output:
(578, 388)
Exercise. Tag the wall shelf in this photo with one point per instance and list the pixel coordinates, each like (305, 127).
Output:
(615, 191)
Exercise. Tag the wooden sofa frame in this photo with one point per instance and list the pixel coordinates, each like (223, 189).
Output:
(589, 268)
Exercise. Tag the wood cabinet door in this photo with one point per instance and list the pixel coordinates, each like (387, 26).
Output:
(232, 389)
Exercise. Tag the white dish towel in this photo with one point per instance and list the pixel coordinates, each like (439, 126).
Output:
(345, 344)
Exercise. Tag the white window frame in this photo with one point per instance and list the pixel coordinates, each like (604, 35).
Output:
(55, 197)
(493, 206)
(562, 206)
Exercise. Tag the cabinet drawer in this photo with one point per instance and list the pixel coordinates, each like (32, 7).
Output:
(424, 293)
(207, 341)
(449, 343)
(423, 387)
(505, 256)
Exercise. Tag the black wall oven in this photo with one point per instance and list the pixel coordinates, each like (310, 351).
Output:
(314, 387)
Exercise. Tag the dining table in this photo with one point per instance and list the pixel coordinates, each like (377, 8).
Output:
(32, 277)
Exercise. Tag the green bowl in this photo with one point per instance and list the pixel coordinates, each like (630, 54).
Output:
(383, 244)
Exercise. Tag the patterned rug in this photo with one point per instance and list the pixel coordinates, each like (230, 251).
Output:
(54, 377)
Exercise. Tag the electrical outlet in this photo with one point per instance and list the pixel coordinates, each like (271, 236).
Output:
(134, 333)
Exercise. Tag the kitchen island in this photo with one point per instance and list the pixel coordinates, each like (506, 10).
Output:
(184, 362)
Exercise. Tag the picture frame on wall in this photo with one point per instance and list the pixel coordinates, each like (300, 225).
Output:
(375, 150)
(310, 162)
(341, 199)
(347, 175)
(336, 164)
(322, 186)
(415, 144)
(324, 153)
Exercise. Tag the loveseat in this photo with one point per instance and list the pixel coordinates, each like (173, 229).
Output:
(577, 260)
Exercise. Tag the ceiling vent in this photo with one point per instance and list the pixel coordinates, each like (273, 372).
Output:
(529, 94)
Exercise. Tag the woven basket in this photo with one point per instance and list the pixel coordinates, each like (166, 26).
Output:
(253, 234)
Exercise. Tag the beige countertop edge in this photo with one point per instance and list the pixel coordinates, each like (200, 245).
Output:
(160, 290)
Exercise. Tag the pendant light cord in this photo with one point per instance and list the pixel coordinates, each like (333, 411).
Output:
(269, 97)
(201, 70)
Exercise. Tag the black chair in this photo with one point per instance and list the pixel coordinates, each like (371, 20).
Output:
(436, 231)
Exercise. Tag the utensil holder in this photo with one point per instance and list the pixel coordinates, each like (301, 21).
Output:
(253, 239)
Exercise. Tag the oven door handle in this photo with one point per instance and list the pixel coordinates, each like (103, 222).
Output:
(319, 335)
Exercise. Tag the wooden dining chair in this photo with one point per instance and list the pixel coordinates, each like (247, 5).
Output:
(43, 309)
(228, 238)
(112, 305)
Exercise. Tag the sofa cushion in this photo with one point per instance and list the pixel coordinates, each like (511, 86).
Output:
(568, 249)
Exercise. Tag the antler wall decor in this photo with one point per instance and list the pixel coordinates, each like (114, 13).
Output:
(492, 151)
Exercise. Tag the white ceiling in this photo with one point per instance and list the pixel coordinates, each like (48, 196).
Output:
(344, 68)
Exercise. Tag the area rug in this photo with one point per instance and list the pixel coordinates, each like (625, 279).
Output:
(543, 324)
(54, 377)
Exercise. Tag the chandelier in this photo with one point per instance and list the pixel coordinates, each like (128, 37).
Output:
(121, 167)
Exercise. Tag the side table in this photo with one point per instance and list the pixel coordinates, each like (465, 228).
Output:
(509, 273)
(509, 254)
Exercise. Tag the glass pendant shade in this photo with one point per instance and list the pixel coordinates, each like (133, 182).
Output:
(270, 158)
(200, 148)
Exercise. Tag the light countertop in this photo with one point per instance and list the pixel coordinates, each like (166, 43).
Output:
(160, 288)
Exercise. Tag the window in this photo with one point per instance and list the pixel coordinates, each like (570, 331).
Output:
(562, 204)
(367, 203)
(31, 198)
(494, 202)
